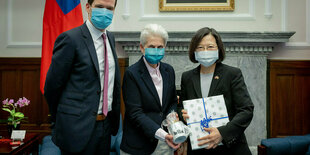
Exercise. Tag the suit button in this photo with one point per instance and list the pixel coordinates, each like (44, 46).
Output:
(98, 92)
(161, 114)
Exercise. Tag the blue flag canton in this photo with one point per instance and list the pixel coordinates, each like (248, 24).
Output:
(67, 5)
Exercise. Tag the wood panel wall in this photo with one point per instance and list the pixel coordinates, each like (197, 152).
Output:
(20, 77)
(289, 108)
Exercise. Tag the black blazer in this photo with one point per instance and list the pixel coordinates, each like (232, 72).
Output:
(72, 89)
(228, 81)
(144, 114)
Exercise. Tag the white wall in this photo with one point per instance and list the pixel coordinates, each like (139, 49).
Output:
(21, 23)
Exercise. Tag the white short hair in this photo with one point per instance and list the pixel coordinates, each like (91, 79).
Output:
(153, 30)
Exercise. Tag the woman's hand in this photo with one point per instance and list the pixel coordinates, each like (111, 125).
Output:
(169, 141)
(177, 116)
(213, 139)
(184, 114)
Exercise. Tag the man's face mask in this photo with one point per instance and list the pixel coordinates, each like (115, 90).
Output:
(101, 17)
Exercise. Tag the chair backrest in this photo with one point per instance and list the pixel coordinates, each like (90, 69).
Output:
(117, 139)
(48, 147)
(287, 145)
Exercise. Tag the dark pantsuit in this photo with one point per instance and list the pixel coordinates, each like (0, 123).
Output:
(227, 81)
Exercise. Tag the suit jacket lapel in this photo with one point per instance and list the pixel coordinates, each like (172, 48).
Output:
(165, 78)
(145, 75)
(91, 47)
(217, 76)
(196, 81)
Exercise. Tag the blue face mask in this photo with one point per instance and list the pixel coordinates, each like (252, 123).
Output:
(101, 17)
(207, 58)
(154, 55)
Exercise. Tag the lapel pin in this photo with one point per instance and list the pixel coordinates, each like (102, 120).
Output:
(216, 77)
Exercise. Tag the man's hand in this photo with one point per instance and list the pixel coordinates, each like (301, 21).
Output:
(213, 139)
(169, 141)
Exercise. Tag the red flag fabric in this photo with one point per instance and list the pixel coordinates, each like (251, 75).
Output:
(59, 16)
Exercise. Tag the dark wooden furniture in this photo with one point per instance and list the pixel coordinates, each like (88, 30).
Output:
(20, 77)
(261, 150)
(289, 98)
(29, 145)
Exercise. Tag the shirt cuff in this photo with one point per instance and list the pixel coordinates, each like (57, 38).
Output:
(160, 134)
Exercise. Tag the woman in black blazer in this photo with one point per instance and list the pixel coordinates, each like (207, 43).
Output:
(213, 78)
(149, 95)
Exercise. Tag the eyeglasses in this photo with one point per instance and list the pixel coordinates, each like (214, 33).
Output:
(206, 48)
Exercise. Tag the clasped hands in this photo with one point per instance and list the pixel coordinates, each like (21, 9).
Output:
(213, 139)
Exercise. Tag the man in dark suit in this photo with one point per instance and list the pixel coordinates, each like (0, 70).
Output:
(149, 95)
(82, 86)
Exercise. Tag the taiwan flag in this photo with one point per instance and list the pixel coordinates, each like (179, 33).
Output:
(59, 16)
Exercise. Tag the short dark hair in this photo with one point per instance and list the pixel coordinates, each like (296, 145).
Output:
(90, 2)
(197, 39)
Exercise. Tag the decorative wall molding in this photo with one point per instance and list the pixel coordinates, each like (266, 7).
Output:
(297, 45)
(308, 21)
(284, 15)
(238, 49)
(219, 16)
(235, 42)
(126, 13)
(268, 8)
(14, 44)
(10, 41)
(233, 36)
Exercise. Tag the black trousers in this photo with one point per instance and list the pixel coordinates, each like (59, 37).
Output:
(99, 142)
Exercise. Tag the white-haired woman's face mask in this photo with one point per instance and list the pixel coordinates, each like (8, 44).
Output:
(154, 49)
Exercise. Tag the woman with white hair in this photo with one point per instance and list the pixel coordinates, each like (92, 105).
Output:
(149, 95)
